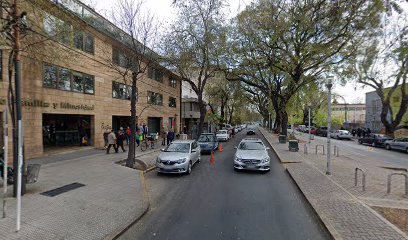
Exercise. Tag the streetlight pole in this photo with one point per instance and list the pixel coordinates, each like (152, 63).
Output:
(329, 85)
(269, 122)
(309, 126)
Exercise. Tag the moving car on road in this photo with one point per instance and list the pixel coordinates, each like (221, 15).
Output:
(179, 157)
(397, 144)
(251, 154)
(222, 135)
(341, 134)
(251, 131)
(207, 143)
(375, 140)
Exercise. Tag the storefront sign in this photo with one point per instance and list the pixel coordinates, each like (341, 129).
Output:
(62, 105)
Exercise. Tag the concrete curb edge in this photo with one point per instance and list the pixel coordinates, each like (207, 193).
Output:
(121, 230)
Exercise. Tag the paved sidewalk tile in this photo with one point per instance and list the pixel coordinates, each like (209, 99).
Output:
(112, 198)
(345, 216)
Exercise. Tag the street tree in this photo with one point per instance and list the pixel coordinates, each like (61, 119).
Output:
(299, 40)
(132, 59)
(382, 64)
(194, 45)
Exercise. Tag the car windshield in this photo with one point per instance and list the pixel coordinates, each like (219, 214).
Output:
(178, 147)
(251, 146)
(207, 138)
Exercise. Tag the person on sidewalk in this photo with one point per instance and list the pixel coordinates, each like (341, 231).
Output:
(170, 137)
(119, 141)
(144, 130)
(139, 137)
(128, 135)
(111, 142)
(164, 136)
(105, 139)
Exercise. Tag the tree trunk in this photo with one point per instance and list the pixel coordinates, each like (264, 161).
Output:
(203, 111)
(284, 123)
(231, 111)
(132, 144)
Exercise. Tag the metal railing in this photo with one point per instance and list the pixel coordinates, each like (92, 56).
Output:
(363, 180)
(389, 181)
(320, 145)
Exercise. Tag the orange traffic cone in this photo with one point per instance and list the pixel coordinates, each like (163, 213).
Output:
(212, 160)
(220, 148)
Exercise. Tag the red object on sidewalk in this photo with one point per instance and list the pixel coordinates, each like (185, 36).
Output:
(212, 160)
(220, 148)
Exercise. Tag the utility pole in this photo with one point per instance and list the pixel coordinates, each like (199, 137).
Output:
(309, 126)
(19, 167)
(329, 86)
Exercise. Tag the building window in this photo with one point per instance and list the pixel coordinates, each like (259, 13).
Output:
(68, 80)
(50, 76)
(173, 82)
(154, 98)
(123, 60)
(122, 91)
(84, 41)
(155, 74)
(172, 102)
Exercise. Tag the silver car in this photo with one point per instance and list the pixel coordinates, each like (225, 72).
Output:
(398, 144)
(179, 157)
(251, 154)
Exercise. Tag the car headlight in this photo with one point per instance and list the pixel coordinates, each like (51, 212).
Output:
(181, 160)
(238, 159)
(265, 160)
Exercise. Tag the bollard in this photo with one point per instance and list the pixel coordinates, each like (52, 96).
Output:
(336, 151)
(319, 146)
(305, 148)
(363, 180)
(389, 182)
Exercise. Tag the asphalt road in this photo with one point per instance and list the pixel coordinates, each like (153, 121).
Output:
(215, 202)
(365, 151)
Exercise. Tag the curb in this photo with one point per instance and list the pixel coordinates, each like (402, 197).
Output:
(273, 149)
(120, 231)
(330, 229)
(149, 169)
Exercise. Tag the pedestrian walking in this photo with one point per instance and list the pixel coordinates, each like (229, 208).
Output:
(145, 129)
(185, 131)
(111, 142)
(170, 136)
(105, 139)
(128, 135)
(119, 141)
(139, 137)
(82, 135)
(164, 136)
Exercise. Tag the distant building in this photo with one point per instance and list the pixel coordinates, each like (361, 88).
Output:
(353, 114)
(374, 106)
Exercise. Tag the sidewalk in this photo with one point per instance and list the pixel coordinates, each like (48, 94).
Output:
(333, 197)
(113, 198)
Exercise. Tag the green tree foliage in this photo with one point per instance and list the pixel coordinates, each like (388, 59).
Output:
(297, 42)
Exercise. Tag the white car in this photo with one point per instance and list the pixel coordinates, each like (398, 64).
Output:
(341, 134)
(222, 135)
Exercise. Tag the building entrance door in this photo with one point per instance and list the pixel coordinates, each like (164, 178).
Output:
(120, 122)
(66, 130)
(153, 123)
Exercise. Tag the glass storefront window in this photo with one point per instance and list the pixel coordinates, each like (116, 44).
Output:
(50, 76)
(77, 82)
(64, 81)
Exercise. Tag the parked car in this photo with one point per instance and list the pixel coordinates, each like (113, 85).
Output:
(208, 143)
(251, 131)
(397, 144)
(375, 140)
(222, 135)
(322, 131)
(251, 154)
(341, 134)
(179, 157)
(313, 130)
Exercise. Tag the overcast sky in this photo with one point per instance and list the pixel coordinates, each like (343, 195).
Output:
(164, 13)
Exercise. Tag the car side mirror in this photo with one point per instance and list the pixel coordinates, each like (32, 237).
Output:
(267, 148)
(193, 151)
(162, 149)
(235, 147)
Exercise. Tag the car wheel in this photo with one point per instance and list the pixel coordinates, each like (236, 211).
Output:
(406, 150)
(190, 167)
(373, 144)
(199, 159)
(388, 147)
